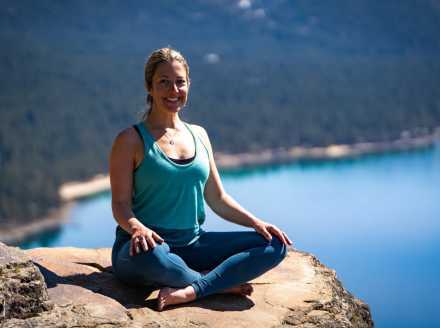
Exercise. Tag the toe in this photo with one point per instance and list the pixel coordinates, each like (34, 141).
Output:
(160, 303)
(247, 289)
(161, 299)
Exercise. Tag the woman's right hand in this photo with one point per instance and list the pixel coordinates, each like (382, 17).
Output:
(143, 239)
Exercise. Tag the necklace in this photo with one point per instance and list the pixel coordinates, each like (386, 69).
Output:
(170, 139)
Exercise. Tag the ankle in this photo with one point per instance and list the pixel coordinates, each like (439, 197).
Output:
(190, 292)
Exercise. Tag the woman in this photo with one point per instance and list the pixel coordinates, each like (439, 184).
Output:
(161, 170)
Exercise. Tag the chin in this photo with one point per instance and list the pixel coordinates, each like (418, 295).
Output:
(174, 110)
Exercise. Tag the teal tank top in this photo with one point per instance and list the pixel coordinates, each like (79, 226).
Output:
(167, 196)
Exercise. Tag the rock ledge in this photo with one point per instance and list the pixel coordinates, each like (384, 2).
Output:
(82, 292)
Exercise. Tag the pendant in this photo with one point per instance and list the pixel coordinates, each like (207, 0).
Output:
(171, 142)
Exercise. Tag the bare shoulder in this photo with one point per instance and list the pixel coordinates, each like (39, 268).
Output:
(127, 151)
(128, 138)
(127, 145)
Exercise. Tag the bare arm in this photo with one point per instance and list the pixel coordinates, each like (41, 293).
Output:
(229, 209)
(123, 159)
(122, 164)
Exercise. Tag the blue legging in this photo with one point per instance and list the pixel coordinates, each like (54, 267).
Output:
(233, 258)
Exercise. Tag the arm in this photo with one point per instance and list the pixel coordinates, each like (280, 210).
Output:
(124, 156)
(229, 209)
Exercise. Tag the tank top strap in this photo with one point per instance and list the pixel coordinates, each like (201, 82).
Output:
(198, 139)
(143, 133)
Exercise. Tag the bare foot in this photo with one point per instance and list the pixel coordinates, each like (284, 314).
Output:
(169, 296)
(244, 289)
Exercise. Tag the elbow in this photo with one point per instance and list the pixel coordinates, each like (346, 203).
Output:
(216, 201)
(222, 197)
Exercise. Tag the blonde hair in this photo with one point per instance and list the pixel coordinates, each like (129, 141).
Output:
(157, 57)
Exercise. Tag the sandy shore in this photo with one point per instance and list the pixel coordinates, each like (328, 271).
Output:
(75, 190)
(71, 191)
(54, 219)
(79, 189)
(332, 152)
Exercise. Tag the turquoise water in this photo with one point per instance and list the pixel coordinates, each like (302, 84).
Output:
(375, 220)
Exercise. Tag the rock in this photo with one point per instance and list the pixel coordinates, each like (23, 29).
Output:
(301, 292)
(70, 316)
(23, 292)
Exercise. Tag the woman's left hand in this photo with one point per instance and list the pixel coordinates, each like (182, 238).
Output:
(267, 230)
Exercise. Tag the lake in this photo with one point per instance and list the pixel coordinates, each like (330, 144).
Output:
(375, 220)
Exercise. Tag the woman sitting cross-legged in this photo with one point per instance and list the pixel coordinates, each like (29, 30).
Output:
(162, 170)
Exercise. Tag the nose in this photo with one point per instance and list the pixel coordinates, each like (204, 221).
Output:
(174, 87)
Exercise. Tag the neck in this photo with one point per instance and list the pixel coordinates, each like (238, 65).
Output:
(162, 120)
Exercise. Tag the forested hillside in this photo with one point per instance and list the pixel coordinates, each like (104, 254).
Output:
(265, 74)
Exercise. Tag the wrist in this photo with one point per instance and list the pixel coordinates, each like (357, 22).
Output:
(255, 221)
(133, 225)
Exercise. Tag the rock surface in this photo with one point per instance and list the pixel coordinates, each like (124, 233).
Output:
(23, 293)
(300, 292)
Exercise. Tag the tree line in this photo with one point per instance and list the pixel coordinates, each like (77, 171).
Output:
(73, 78)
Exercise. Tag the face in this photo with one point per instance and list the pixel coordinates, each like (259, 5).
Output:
(170, 87)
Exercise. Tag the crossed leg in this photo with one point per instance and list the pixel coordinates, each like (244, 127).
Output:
(232, 258)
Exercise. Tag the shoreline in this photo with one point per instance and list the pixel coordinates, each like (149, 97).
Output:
(72, 191)
(75, 190)
(54, 219)
(331, 152)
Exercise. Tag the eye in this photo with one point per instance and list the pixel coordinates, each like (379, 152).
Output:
(164, 82)
(180, 83)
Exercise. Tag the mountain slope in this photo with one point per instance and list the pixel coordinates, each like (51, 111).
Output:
(288, 73)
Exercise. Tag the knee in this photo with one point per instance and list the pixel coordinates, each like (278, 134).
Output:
(276, 248)
(279, 249)
(141, 266)
(152, 258)
(165, 268)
